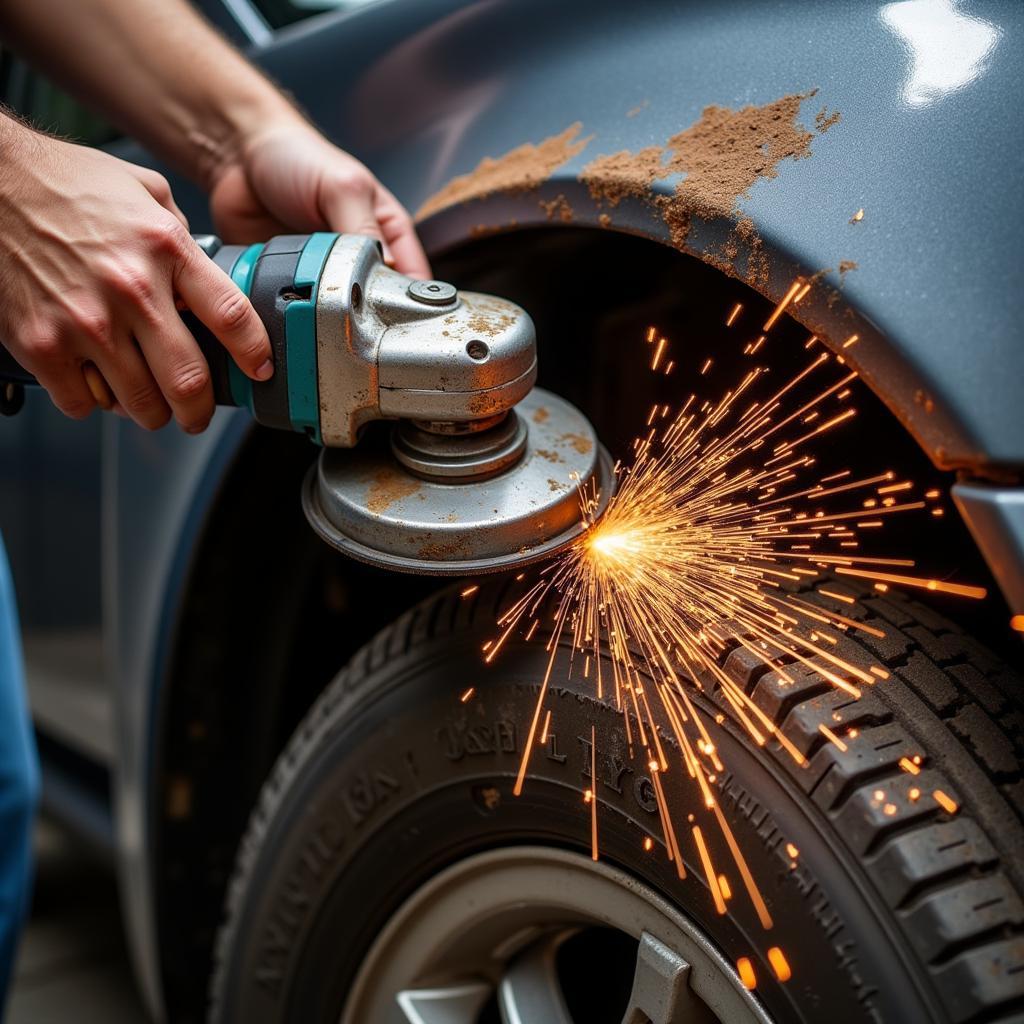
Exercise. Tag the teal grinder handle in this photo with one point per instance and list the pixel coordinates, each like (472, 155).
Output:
(281, 279)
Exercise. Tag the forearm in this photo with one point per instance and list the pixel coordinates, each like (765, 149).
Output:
(156, 69)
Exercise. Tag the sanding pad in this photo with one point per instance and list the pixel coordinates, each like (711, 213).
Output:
(368, 505)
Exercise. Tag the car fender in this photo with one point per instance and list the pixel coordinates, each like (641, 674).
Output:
(425, 91)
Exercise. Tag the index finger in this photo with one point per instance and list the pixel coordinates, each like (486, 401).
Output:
(400, 236)
(221, 305)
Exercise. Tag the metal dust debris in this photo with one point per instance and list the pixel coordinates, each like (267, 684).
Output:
(557, 209)
(519, 170)
(387, 487)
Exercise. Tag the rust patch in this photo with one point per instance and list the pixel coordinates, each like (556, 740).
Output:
(540, 414)
(442, 552)
(387, 487)
(549, 455)
(557, 208)
(519, 170)
(845, 266)
(720, 158)
(613, 177)
(554, 485)
(582, 444)
(823, 120)
(633, 111)
(488, 316)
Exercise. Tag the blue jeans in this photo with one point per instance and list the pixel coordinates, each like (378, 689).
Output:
(19, 783)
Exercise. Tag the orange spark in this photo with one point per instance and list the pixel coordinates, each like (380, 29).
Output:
(715, 516)
(779, 964)
(709, 871)
(961, 590)
(745, 969)
(593, 790)
(781, 307)
(658, 353)
(832, 737)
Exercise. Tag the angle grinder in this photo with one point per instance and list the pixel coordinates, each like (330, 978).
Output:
(479, 472)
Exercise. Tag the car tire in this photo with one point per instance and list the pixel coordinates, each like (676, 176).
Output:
(886, 907)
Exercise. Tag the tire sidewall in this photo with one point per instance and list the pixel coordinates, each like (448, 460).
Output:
(393, 778)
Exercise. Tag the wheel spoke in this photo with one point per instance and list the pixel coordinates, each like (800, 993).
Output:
(661, 988)
(451, 1004)
(530, 991)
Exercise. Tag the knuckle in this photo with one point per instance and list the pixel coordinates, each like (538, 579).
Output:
(232, 311)
(139, 396)
(161, 187)
(187, 382)
(168, 235)
(94, 324)
(43, 344)
(129, 281)
(252, 351)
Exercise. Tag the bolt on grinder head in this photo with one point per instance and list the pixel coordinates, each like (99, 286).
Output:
(482, 472)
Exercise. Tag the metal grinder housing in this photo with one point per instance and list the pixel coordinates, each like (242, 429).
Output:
(479, 472)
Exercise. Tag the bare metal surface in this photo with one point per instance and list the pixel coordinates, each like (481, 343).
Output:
(494, 923)
(369, 506)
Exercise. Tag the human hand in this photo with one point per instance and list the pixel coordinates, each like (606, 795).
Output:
(288, 177)
(94, 258)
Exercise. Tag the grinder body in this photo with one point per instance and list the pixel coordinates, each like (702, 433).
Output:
(355, 341)
(477, 470)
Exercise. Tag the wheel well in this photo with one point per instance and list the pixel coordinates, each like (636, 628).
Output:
(271, 614)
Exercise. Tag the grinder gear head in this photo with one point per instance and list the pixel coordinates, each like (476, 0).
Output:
(481, 472)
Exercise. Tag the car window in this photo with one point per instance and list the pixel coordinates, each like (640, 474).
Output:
(279, 13)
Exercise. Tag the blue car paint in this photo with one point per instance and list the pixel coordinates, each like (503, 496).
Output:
(423, 89)
(158, 490)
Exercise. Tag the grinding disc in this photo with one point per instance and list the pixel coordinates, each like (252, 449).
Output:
(366, 504)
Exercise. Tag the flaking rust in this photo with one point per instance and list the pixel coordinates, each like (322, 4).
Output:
(520, 170)
(718, 159)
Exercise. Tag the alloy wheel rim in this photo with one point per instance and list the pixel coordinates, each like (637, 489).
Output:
(489, 928)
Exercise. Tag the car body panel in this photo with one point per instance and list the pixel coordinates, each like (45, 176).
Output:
(423, 90)
(157, 494)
